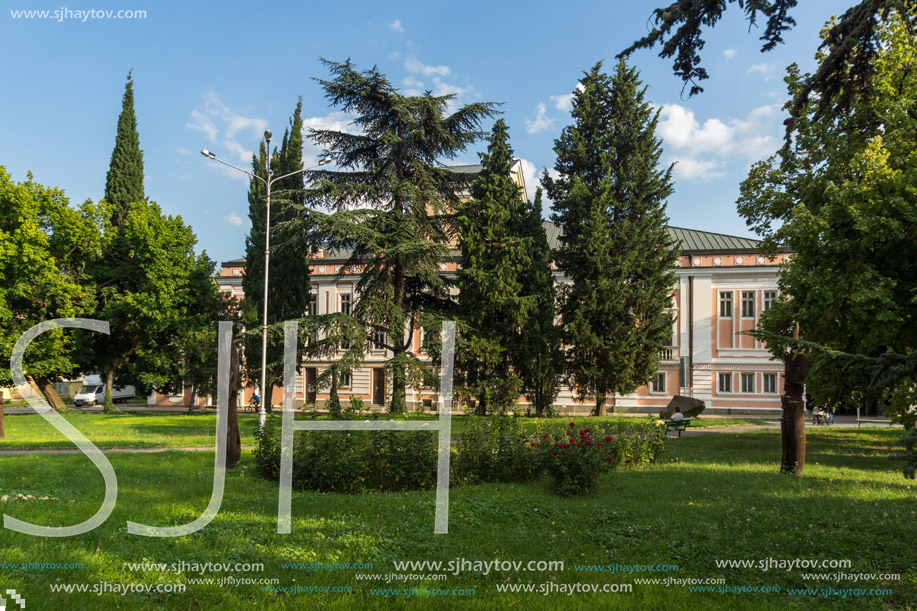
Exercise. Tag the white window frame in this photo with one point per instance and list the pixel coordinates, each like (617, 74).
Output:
(775, 378)
(770, 298)
(726, 303)
(742, 378)
(749, 301)
(655, 387)
(721, 377)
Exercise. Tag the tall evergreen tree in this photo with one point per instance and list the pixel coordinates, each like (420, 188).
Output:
(536, 350)
(494, 259)
(391, 195)
(124, 182)
(609, 200)
(289, 288)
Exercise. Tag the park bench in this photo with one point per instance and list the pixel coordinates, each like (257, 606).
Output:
(677, 425)
(874, 421)
(819, 418)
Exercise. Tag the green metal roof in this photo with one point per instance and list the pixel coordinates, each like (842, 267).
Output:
(691, 240)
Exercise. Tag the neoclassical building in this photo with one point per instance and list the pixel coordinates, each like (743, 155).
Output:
(723, 286)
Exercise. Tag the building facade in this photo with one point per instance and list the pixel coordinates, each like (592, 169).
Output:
(723, 286)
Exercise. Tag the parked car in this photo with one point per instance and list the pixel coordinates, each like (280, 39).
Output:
(93, 392)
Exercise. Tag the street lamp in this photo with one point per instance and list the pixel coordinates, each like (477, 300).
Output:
(262, 412)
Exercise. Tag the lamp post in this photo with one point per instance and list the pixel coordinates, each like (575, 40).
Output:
(268, 181)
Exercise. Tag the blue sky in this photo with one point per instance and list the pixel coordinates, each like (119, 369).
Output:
(214, 75)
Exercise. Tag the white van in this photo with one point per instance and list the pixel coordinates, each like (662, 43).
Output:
(93, 392)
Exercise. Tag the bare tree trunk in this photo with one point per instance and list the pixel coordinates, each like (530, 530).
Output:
(793, 423)
(109, 406)
(599, 404)
(233, 440)
(50, 394)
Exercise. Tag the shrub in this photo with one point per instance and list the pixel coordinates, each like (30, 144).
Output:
(494, 450)
(575, 457)
(352, 461)
(639, 443)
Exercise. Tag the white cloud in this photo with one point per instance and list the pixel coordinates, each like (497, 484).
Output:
(233, 219)
(703, 150)
(692, 169)
(221, 126)
(565, 102)
(396, 25)
(184, 151)
(730, 53)
(541, 122)
(766, 70)
(414, 66)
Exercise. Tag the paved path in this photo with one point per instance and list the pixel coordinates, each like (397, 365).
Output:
(114, 450)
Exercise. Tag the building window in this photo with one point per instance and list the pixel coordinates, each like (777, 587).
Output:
(770, 383)
(748, 304)
(725, 304)
(725, 382)
(378, 340)
(748, 383)
(346, 303)
(313, 304)
(658, 383)
(770, 298)
(344, 380)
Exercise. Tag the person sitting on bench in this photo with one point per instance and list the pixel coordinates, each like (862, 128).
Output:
(678, 415)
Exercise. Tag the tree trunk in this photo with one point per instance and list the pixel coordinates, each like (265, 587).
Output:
(50, 394)
(233, 441)
(599, 404)
(109, 406)
(793, 423)
(193, 399)
(399, 403)
(793, 435)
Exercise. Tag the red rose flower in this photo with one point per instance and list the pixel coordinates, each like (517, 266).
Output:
(588, 443)
(599, 446)
(577, 445)
(608, 439)
(545, 436)
(563, 451)
(534, 444)
(572, 424)
(550, 454)
(607, 460)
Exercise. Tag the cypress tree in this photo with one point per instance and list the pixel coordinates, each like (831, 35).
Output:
(609, 199)
(494, 259)
(536, 349)
(124, 182)
(289, 289)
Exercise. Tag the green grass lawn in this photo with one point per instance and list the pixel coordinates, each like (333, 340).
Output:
(713, 497)
(31, 431)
